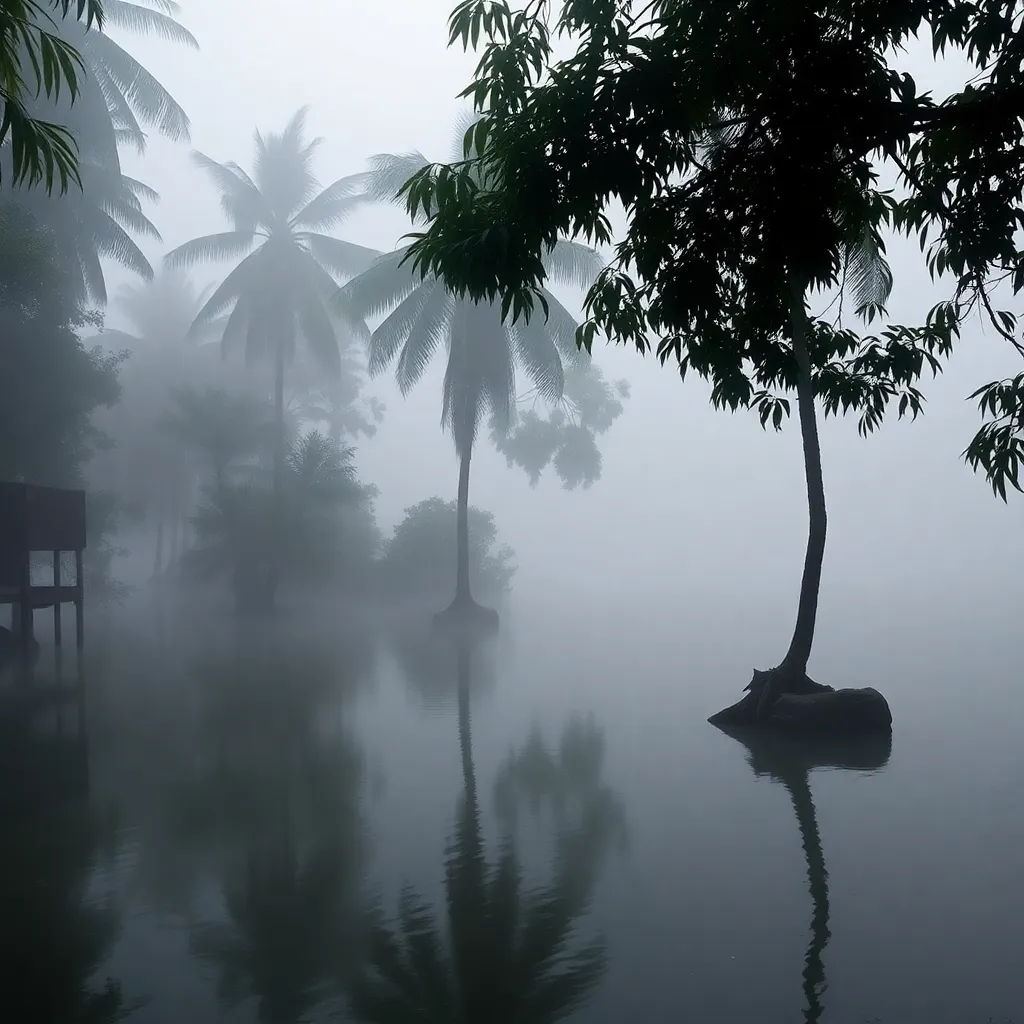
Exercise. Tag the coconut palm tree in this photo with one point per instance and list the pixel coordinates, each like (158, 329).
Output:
(279, 292)
(509, 956)
(484, 353)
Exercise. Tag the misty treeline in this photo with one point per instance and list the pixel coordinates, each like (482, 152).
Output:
(216, 432)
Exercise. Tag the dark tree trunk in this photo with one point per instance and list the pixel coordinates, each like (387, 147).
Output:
(790, 675)
(795, 662)
(463, 594)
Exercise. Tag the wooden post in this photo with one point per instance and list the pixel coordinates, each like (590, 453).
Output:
(79, 604)
(56, 601)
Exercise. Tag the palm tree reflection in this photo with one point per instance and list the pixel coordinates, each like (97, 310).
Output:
(509, 953)
(789, 760)
(277, 805)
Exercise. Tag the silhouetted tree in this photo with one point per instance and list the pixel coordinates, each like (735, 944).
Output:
(710, 262)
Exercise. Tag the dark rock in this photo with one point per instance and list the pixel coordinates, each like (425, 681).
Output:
(781, 699)
(837, 711)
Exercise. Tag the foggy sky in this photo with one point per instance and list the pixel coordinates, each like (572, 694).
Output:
(693, 503)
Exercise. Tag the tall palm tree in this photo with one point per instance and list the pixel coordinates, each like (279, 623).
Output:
(510, 955)
(484, 353)
(279, 292)
(789, 761)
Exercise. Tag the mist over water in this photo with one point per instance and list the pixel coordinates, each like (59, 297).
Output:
(331, 813)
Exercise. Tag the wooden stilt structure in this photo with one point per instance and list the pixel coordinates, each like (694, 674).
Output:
(37, 520)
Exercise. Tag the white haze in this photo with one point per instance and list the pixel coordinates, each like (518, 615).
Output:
(694, 505)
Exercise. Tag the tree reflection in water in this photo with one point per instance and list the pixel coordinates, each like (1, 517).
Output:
(509, 952)
(789, 760)
(275, 804)
(54, 935)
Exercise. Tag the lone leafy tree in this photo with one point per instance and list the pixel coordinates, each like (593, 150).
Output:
(742, 140)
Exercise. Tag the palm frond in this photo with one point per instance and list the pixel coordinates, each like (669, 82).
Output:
(151, 102)
(148, 21)
(140, 189)
(224, 245)
(573, 263)
(868, 274)
(561, 326)
(245, 278)
(389, 172)
(430, 327)
(240, 199)
(333, 204)
(345, 259)
(127, 213)
(112, 241)
(383, 286)
(537, 354)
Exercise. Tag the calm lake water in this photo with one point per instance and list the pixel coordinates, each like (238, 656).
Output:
(309, 824)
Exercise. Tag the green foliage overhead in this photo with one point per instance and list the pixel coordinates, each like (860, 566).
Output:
(745, 141)
(34, 59)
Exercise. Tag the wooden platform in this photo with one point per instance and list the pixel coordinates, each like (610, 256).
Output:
(37, 520)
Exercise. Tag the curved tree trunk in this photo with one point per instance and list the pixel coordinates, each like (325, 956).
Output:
(463, 594)
(817, 879)
(790, 675)
(795, 662)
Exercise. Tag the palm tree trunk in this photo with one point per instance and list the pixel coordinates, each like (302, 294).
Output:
(799, 791)
(274, 567)
(795, 662)
(462, 589)
(279, 445)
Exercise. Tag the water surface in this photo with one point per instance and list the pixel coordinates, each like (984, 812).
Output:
(323, 822)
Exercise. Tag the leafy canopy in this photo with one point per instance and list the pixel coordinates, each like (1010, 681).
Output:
(744, 140)
(34, 59)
